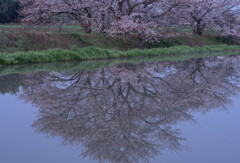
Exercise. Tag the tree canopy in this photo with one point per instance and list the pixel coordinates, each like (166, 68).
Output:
(8, 10)
(144, 18)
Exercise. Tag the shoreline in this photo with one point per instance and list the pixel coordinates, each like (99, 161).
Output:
(94, 53)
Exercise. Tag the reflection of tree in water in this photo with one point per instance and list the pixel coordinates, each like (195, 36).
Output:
(10, 83)
(125, 113)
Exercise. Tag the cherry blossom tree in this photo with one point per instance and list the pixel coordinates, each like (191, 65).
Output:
(143, 18)
(121, 17)
(138, 17)
(44, 11)
(216, 15)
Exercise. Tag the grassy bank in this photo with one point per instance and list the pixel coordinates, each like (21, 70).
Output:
(92, 53)
(19, 45)
(19, 38)
(74, 67)
(14, 38)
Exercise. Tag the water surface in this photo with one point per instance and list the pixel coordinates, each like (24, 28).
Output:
(182, 111)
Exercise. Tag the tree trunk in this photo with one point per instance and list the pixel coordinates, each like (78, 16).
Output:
(87, 29)
(86, 23)
(102, 23)
(198, 30)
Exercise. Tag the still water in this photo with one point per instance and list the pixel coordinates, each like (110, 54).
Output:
(159, 112)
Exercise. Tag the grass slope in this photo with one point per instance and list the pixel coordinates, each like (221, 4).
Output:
(15, 38)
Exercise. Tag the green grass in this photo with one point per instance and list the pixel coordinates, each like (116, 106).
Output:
(93, 53)
(74, 67)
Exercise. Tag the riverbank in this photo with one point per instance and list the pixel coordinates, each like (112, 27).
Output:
(94, 53)
(21, 45)
(91, 65)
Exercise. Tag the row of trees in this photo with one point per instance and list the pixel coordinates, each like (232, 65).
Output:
(146, 18)
(8, 10)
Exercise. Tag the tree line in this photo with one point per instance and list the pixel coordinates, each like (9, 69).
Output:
(148, 19)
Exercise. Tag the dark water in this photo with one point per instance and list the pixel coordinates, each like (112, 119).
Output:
(169, 112)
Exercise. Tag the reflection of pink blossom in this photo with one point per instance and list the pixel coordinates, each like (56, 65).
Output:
(125, 113)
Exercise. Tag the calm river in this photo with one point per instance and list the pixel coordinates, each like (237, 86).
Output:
(158, 112)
